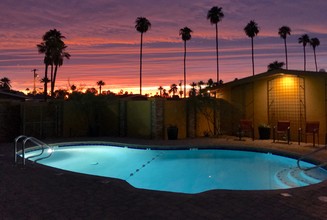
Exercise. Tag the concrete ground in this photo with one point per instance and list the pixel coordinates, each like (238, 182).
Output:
(38, 192)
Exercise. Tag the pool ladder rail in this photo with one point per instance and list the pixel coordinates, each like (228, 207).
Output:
(23, 140)
(309, 154)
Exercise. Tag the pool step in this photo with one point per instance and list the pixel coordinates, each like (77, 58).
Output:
(294, 177)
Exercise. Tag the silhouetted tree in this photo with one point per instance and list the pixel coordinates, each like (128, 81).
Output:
(61, 94)
(275, 65)
(5, 83)
(314, 42)
(252, 30)
(91, 91)
(180, 88)
(215, 15)
(160, 90)
(165, 94)
(73, 87)
(304, 40)
(45, 81)
(283, 32)
(186, 35)
(173, 89)
(142, 25)
(192, 92)
(210, 83)
(200, 84)
(100, 83)
(53, 48)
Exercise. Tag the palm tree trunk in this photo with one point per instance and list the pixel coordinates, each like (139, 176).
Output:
(53, 80)
(304, 58)
(314, 54)
(46, 82)
(217, 53)
(286, 53)
(252, 56)
(185, 69)
(141, 64)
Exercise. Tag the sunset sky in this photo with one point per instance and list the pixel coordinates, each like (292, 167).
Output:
(104, 44)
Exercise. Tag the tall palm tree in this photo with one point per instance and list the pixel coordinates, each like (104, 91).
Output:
(215, 15)
(186, 35)
(315, 42)
(5, 83)
(53, 47)
(142, 25)
(100, 83)
(275, 65)
(283, 32)
(58, 60)
(252, 30)
(304, 40)
(43, 48)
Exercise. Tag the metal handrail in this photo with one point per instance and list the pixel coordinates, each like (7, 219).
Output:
(16, 146)
(309, 154)
(34, 141)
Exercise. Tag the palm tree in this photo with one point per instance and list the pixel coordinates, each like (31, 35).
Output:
(160, 90)
(275, 65)
(314, 42)
(251, 30)
(58, 60)
(45, 81)
(100, 83)
(186, 35)
(142, 25)
(54, 49)
(5, 83)
(283, 32)
(173, 89)
(304, 40)
(43, 48)
(215, 15)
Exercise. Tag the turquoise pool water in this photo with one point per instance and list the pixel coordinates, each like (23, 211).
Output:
(184, 171)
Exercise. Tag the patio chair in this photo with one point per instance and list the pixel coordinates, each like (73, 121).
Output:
(245, 127)
(282, 130)
(312, 128)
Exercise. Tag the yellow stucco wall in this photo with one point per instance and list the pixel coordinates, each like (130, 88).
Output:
(175, 114)
(315, 103)
(260, 105)
(238, 99)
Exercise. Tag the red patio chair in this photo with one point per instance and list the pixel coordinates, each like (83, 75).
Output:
(245, 126)
(312, 128)
(282, 130)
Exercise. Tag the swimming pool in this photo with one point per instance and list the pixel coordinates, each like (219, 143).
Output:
(186, 171)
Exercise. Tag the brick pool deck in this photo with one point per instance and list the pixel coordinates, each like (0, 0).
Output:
(38, 192)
